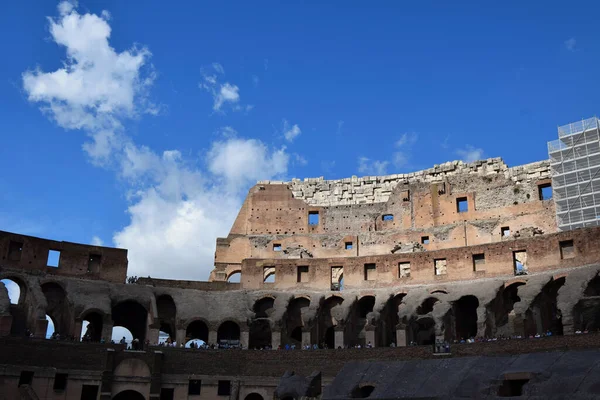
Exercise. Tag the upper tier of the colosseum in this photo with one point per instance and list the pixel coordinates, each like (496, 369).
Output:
(377, 189)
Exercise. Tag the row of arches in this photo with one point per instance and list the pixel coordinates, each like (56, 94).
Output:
(322, 321)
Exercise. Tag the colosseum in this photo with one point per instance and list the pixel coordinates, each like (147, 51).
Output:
(466, 280)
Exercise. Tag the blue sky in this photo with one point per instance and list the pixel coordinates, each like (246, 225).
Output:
(143, 127)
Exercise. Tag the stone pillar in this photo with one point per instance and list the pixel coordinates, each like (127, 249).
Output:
(152, 335)
(180, 336)
(400, 335)
(275, 339)
(5, 325)
(107, 327)
(370, 335)
(244, 339)
(212, 337)
(481, 318)
(306, 337)
(339, 336)
(41, 326)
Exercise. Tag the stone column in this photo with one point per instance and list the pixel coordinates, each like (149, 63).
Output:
(180, 336)
(481, 318)
(5, 325)
(41, 326)
(400, 335)
(306, 337)
(275, 339)
(244, 339)
(370, 335)
(107, 327)
(152, 335)
(339, 336)
(212, 337)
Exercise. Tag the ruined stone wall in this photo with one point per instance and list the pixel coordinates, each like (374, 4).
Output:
(92, 262)
(374, 214)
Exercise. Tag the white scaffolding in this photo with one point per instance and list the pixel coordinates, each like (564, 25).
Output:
(575, 166)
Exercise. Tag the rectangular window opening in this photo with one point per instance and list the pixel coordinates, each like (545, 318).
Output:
(424, 239)
(478, 262)
(167, 394)
(462, 204)
(94, 263)
(53, 258)
(520, 262)
(512, 387)
(15, 249)
(276, 247)
(89, 392)
(313, 218)
(370, 272)
(440, 266)
(406, 195)
(505, 231)
(303, 273)
(387, 217)
(545, 191)
(404, 269)
(60, 382)
(567, 249)
(25, 378)
(194, 387)
(348, 245)
(224, 388)
(337, 278)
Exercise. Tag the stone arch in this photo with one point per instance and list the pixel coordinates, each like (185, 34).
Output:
(229, 331)
(293, 320)
(461, 320)
(260, 335)
(197, 329)
(389, 320)
(586, 312)
(95, 322)
(543, 314)
(327, 321)
(167, 314)
(22, 287)
(501, 316)
(355, 329)
(253, 396)
(426, 305)
(58, 307)
(235, 276)
(263, 307)
(131, 315)
(438, 291)
(19, 307)
(129, 395)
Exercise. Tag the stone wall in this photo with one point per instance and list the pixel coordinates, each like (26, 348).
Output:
(377, 189)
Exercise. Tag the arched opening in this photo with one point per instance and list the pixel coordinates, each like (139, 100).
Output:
(465, 316)
(14, 291)
(197, 330)
(327, 321)
(427, 306)
(129, 395)
(196, 343)
(122, 335)
(294, 321)
(254, 396)
(228, 334)
(235, 277)
(362, 392)
(263, 307)
(58, 308)
(91, 327)
(355, 333)
(260, 334)
(167, 315)
(389, 320)
(131, 315)
(269, 275)
(51, 329)
(586, 313)
(17, 292)
(501, 314)
(543, 315)
(421, 331)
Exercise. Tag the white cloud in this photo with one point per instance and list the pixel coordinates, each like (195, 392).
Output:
(299, 160)
(96, 85)
(290, 132)
(401, 156)
(340, 125)
(372, 167)
(177, 209)
(470, 153)
(571, 44)
(96, 241)
(407, 139)
(223, 93)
